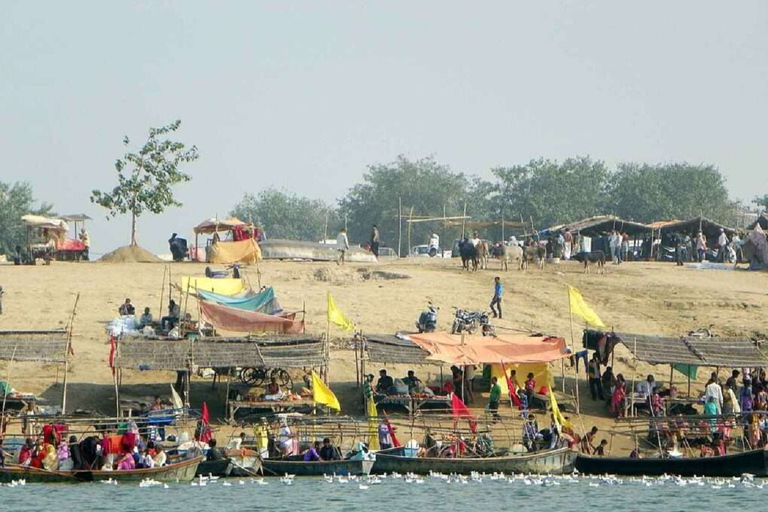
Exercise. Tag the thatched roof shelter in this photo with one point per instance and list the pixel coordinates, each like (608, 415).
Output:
(596, 226)
(45, 346)
(710, 228)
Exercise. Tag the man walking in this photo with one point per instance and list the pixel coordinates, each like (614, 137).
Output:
(595, 383)
(498, 291)
(342, 244)
(375, 241)
(567, 250)
(722, 243)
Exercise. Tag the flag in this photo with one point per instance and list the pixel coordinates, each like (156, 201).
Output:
(205, 434)
(560, 420)
(395, 441)
(373, 432)
(460, 410)
(322, 395)
(582, 309)
(511, 387)
(335, 316)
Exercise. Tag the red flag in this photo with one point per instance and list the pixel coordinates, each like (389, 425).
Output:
(395, 441)
(112, 353)
(460, 410)
(205, 430)
(511, 388)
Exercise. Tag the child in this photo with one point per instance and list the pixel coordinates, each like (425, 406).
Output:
(530, 387)
(600, 450)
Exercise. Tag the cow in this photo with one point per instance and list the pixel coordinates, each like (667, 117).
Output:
(468, 253)
(505, 254)
(483, 253)
(588, 258)
(534, 253)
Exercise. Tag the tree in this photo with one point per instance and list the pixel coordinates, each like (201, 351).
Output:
(145, 179)
(425, 185)
(285, 215)
(550, 192)
(16, 200)
(648, 193)
(761, 201)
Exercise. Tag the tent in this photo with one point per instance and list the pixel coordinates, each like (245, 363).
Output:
(242, 249)
(222, 286)
(262, 302)
(210, 226)
(710, 228)
(596, 226)
(239, 320)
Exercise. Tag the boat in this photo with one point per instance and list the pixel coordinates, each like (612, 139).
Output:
(736, 464)
(394, 460)
(221, 467)
(280, 467)
(32, 475)
(183, 471)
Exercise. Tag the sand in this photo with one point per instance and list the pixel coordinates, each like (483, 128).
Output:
(130, 254)
(651, 298)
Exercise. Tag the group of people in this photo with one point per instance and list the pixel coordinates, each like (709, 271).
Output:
(697, 248)
(146, 319)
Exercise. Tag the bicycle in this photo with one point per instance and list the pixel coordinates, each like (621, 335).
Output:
(256, 377)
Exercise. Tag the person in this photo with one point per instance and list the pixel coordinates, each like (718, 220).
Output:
(730, 402)
(286, 438)
(412, 381)
(619, 396)
(213, 452)
(713, 390)
(236, 442)
(595, 383)
(494, 399)
(157, 405)
(646, 387)
(476, 239)
(145, 319)
(126, 462)
(657, 403)
(608, 380)
(86, 239)
(64, 454)
(701, 246)
(160, 457)
(261, 433)
(635, 453)
(25, 453)
(469, 378)
(126, 309)
(146, 460)
(385, 436)
(328, 451)
(384, 383)
(375, 241)
(531, 433)
(624, 246)
(568, 245)
(174, 312)
(273, 388)
(587, 442)
(733, 380)
(530, 389)
(722, 244)
(342, 244)
(710, 409)
(50, 459)
(601, 449)
(312, 454)
(368, 388)
(498, 291)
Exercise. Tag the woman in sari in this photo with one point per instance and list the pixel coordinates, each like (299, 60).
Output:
(126, 462)
(745, 397)
(618, 396)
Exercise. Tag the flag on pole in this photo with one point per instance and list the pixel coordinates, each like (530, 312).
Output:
(335, 316)
(560, 420)
(460, 410)
(322, 394)
(582, 309)
(395, 441)
(204, 433)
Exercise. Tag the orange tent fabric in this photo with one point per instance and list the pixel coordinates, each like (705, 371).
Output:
(448, 348)
(240, 320)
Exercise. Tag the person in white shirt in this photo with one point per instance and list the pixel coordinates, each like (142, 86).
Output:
(714, 390)
(476, 239)
(645, 388)
(722, 243)
(342, 244)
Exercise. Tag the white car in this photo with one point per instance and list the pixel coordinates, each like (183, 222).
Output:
(425, 251)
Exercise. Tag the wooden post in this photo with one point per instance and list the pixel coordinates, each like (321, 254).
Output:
(464, 221)
(114, 379)
(503, 234)
(67, 350)
(226, 400)
(325, 232)
(162, 291)
(410, 219)
(399, 225)
(573, 344)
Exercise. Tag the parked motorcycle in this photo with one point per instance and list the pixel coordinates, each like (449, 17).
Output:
(428, 319)
(470, 321)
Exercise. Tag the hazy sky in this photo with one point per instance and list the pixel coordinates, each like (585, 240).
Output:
(301, 96)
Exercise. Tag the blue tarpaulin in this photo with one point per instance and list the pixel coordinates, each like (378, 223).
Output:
(262, 302)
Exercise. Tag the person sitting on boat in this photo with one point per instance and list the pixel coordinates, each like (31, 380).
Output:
(385, 436)
(160, 457)
(286, 438)
(64, 455)
(146, 460)
(236, 442)
(328, 451)
(385, 382)
(312, 454)
(531, 434)
(635, 453)
(25, 454)
(50, 460)
(126, 462)
(213, 452)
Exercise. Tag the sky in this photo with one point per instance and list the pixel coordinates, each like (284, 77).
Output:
(303, 95)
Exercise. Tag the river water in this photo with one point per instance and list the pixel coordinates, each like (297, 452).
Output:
(396, 494)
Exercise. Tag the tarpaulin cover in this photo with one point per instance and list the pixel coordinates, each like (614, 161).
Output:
(67, 244)
(38, 221)
(221, 286)
(244, 251)
(262, 302)
(448, 348)
(212, 225)
(238, 320)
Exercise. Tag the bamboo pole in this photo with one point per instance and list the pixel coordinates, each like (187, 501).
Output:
(464, 221)
(162, 291)
(399, 226)
(67, 351)
(409, 230)
(114, 379)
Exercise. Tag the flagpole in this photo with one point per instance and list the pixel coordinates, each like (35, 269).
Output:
(573, 347)
(327, 339)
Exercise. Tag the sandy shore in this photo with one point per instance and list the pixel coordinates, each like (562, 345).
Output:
(647, 298)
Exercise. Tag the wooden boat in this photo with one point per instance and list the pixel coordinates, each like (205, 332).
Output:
(34, 475)
(548, 461)
(279, 467)
(183, 471)
(222, 467)
(736, 464)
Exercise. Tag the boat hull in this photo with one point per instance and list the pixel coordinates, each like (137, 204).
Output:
(219, 468)
(34, 475)
(752, 462)
(183, 471)
(279, 467)
(547, 462)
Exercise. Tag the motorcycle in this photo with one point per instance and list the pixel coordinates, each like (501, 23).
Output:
(428, 319)
(470, 321)
(486, 327)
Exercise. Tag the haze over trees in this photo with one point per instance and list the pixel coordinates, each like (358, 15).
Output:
(16, 199)
(145, 179)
